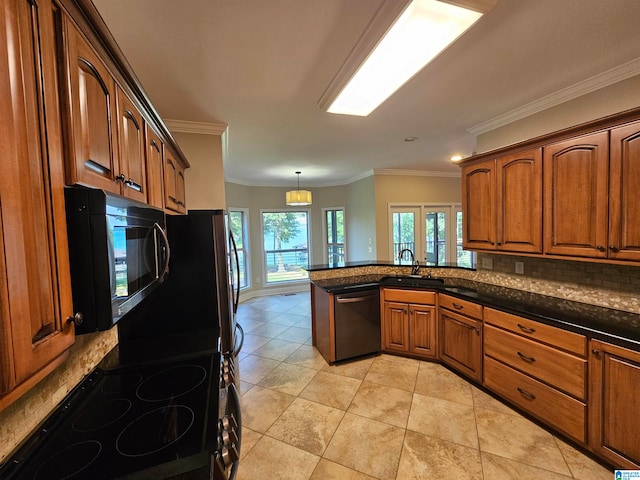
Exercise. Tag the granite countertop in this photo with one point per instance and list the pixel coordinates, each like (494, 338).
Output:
(376, 263)
(614, 326)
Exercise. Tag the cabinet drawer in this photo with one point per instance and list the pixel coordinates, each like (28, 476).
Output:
(572, 342)
(461, 306)
(557, 368)
(559, 410)
(409, 296)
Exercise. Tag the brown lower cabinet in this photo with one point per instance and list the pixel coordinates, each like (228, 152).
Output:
(409, 322)
(614, 406)
(461, 336)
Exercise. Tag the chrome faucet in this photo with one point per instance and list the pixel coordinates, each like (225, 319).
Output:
(415, 264)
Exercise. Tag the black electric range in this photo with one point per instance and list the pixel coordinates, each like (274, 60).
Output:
(150, 421)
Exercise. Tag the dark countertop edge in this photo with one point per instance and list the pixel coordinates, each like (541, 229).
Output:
(376, 263)
(472, 296)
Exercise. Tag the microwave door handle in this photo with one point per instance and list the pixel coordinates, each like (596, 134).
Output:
(165, 268)
(235, 253)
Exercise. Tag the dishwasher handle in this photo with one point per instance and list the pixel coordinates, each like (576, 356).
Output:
(355, 299)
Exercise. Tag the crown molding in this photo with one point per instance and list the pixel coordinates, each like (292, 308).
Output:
(184, 126)
(602, 80)
(416, 173)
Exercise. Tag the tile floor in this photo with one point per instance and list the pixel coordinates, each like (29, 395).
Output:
(379, 418)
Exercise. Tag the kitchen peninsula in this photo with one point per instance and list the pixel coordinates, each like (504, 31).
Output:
(574, 366)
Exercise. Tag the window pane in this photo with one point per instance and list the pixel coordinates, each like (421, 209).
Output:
(403, 233)
(237, 224)
(286, 245)
(465, 257)
(335, 236)
(436, 238)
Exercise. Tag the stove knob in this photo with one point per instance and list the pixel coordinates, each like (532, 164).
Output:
(229, 455)
(226, 438)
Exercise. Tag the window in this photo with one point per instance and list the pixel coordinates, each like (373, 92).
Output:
(440, 241)
(334, 236)
(238, 226)
(285, 245)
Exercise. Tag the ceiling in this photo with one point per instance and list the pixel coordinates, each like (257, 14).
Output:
(261, 66)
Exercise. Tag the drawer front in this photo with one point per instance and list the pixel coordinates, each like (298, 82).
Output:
(559, 410)
(572, 342)
(409, 296)
(461, 306)
(555, 367)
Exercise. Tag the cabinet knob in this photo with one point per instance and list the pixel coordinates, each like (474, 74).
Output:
(600, 248)
(77, 319)
(499, 243)
(613, 248)
(121, 178)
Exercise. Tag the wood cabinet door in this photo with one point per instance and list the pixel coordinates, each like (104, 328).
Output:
(624, 197)
(174, 183)
(92, 117)
(395, 332)
(519, 202)
(422, 331)
(35, 286)
(155, 169)
(461, 343)
(576, 175)
(614, 404)
(132, 149)
(479, 206)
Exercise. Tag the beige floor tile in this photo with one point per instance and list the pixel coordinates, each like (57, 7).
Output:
(483, 400)
(357, 444)
(295, 334)
(249, 439)
(500, 468)
(437, 381)
(519, 439)
(252, 368)
(287, 319)
(262, 406)
(271, 330)
(398, 359)
(276, 349)
(307, 356)
(382, 403)
(272, 459)
(355, 369)
(307, 425)
(249, 323)
(327, 470)
(288, 378)
(253, 342)
(428, 458)
(583, 467)
(393, 374)
(450, 421)
(331, 390)
(245, 387)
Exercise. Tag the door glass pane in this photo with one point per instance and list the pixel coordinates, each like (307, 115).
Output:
(403, 235)
(436, 238)
(335, 236)
(465, 258)
(286, 246)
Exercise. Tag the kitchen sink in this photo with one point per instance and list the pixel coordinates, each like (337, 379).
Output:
(411, 281)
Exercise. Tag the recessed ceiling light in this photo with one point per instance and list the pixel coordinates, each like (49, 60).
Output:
(456, 158)
(410, 139)
(423, 30)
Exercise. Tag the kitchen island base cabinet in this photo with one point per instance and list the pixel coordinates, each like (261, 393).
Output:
(461, 336)
(614, 408)
(409, 322)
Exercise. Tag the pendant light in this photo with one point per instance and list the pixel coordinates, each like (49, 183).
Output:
(298, 197)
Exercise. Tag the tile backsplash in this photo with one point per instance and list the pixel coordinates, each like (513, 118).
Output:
(21, 417)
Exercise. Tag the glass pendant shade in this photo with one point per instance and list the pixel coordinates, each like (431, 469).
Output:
(298, 197)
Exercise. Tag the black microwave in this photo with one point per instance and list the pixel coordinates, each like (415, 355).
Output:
(118, 252)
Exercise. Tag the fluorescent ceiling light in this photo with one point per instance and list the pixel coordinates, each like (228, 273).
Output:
(424, 29)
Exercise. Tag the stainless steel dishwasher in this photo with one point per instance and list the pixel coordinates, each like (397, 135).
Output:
(357, 322)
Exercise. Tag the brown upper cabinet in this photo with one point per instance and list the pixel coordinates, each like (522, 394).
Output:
(35, 285)
(624, 197)
(576, 200)
(155, 168)
(502, 203)
(174, 183)
(131, 139)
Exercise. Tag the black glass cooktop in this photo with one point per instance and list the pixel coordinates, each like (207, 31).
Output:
(147, 422)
